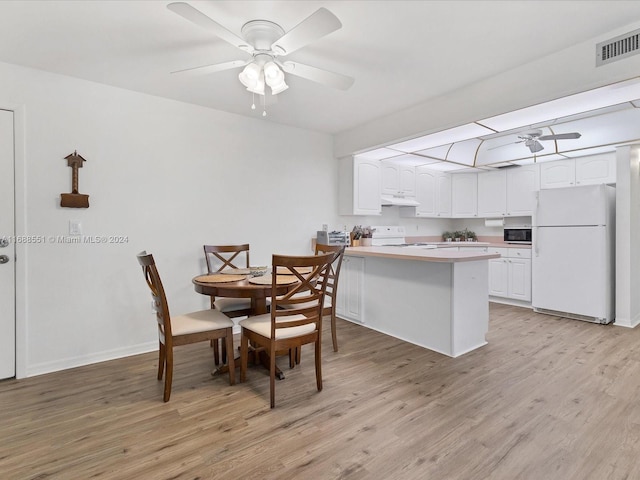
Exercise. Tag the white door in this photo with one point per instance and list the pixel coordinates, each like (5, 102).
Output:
(7, 250)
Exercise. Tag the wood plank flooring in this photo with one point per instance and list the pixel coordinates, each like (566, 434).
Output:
(547, 398)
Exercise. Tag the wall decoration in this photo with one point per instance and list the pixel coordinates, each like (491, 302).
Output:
(74, 199)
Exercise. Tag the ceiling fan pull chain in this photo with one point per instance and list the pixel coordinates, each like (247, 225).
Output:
(253, 101)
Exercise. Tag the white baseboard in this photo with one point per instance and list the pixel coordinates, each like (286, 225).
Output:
(63, 364)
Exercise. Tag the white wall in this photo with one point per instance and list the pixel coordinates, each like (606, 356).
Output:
(627, 235)
(168, 176)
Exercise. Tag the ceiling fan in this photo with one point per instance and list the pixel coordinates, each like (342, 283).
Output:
(267, 42)
(531, 139)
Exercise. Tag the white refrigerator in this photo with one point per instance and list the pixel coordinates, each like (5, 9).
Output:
(573, 261)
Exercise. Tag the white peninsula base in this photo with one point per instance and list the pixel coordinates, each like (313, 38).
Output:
(438, 301)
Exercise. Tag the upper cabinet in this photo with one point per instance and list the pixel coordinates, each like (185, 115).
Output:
(398, 180)
(359, 187)
(522, 184)
(464, 195)
(508, 192)
(492, 194)
(595, 169)
(589, 170)
(433, 193)
(558, 174)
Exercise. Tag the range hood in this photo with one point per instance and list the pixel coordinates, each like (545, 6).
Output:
(390, 200)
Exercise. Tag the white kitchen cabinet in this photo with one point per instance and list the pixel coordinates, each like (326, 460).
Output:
(432, 192)
(464, 195)
(492, 194)
(558, 174)
(596, 169)
(510, 275)
(591, 170)
(350, 298)
(398, 180)
(522, 184)
(443, 196)
(359, 187)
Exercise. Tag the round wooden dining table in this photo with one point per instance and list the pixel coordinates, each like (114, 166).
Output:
(239, 286)
(258, 293)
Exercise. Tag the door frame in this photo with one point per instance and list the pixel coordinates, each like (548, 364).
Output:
(20, 217)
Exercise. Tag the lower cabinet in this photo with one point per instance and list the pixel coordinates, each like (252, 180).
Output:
(510, 275)
(350, 300)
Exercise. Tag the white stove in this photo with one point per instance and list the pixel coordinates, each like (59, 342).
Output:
(390, 235)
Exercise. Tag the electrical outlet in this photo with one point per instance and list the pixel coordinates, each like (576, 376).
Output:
(325, 227)
(75, 227)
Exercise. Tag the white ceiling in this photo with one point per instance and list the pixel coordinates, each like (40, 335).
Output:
(399, 52)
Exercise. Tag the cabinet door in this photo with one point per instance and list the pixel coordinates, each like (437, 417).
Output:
(426, 192)
(498, 277)
(349, 302)
(366, 194)
(557, 174)
(596, 169)
(519, 279)
(407, 180)
(464, 195)
(492, 194)
(443, 195)
(390, 174)
(522, 185)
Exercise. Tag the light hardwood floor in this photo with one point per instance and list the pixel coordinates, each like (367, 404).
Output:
(547, 398)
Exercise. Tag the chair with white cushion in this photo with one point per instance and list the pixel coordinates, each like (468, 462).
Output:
(332, 286)
(295, 318)
(228, 258)
(204, 325)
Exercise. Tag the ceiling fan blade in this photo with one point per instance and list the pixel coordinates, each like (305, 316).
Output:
(187, 12)
(535, 146)
(324, 77)
(560, 136)
(217, 67)
(315, 26)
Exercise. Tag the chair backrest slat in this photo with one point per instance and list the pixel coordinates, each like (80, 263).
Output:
(225, 256)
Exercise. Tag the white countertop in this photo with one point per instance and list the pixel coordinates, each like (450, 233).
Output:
(422, 254)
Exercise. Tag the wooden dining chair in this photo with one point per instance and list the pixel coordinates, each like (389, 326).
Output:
(329, 307)
(204, 325)
(332, 286)
(228, 257)
(295, 318)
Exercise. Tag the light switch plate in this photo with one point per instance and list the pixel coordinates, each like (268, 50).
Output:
(75, 227)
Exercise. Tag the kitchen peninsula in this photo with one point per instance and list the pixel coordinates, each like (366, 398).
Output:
(433, 297)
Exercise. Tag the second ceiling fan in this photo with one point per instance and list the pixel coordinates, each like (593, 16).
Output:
(532, 138)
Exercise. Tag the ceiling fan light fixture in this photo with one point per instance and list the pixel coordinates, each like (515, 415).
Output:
(257, 86)
(274, 78)
(279, 88)
(250, 75)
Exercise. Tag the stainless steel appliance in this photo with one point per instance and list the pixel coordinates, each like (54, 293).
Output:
(574, 253)
(520, 235)
(333, 238)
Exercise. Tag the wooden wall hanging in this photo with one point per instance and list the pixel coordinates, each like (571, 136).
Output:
(74, 199)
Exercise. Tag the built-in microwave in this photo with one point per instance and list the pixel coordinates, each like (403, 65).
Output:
(517, 235)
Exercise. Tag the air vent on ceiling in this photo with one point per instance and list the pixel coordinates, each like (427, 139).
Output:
(618, 48)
